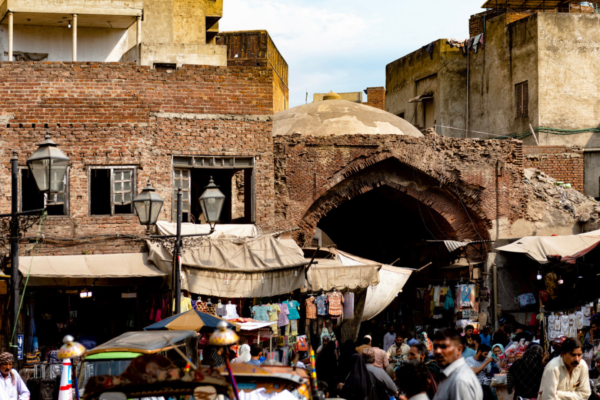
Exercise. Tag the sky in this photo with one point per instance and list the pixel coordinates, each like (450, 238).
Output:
(344, 45)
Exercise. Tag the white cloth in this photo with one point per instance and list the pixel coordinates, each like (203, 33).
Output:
(388, 340)
(231, 311)
(243, 354)
(557, 384)
(8, 391)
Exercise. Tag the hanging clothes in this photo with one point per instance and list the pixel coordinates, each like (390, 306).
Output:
(335, 299)
(260, 313)
(283, 315)
(476, 42)
(275, 310)
(231, 311)
(449, 301)
(349, 305)
(321, 302)
(311, 308)
(293, 307)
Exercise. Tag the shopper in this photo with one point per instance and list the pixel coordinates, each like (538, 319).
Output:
(389, 338)
(365, 342)
(360, 383)
(467, 352)
(418, 352)
(213, 356)
(396, 353)
(595, 372)
(469, 336)
(12, 386)
(327, 365)
(566, 377)
(243, 354)
(501, 335)
(256, 353)
(413, 380)
(383, 381)
(458, 382)
(525, 375)
(499, 357)
(347, 350)
(481, 364)
(486, 338)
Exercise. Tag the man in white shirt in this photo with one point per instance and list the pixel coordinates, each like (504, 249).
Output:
(458, 381)
(397, 352)
(389, 338)
(12, 386)
(566, 377)
(413, 380)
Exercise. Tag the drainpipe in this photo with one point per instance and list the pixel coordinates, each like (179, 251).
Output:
(74, 37)
(10, 36)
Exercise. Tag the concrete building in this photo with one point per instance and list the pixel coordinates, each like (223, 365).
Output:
(149, 32)
(252, 48)
(534, 70)
(375, 97)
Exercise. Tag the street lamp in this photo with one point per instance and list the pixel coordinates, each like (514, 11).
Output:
(48, 165)
(148, 204)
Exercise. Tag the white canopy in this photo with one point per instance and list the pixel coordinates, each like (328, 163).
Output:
(567, 247)
(391, 281)
(71, 270)
(170, 228)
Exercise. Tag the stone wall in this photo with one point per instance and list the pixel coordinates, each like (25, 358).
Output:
(563, 163)
(111, 114)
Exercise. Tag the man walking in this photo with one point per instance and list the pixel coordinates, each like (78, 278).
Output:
(418, 352)
(389, 338)
(383, 380)
(413, 381)
(458, 380)
(566, 377)
(481, 364)
(12, 386)
(501, 336)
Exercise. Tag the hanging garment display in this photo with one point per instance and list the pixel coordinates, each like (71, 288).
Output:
(220, 309)
(335, 300)
(275, 310)
(311, 308)
(231, 311)
(436, 295)
(449, 301)
(349, 305)
(321, 302)
(283, 315)
(260, 313)
(579, 319)
(564, 325)
(293, 308)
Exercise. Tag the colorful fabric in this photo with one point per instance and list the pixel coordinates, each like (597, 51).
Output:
(293, 307)
(275, 310)
(311, 308)
(283, 315)
(321, 302)
(335, 303)
(260, 313)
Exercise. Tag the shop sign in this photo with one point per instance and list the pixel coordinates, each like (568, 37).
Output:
(20, 339)
(128, 295)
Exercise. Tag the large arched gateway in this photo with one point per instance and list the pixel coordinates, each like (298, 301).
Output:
(372, 179)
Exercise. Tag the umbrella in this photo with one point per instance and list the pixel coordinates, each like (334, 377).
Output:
(188, 321)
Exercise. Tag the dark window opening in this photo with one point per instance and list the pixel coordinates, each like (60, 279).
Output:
(111, 191)
(165, 66)
(401, 115)
(522, 98)
(32, 199)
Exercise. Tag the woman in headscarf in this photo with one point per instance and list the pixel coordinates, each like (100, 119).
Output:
(525, 375)
(327, 365)
(347, 350)
(499, 358)
(213, 356)
(243, 354)
(360, 383)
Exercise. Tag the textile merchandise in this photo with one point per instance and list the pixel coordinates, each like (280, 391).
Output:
(311, 308)
(321, 302)
(283, 315)
(335, 299)
(293, 307)
(349, 305)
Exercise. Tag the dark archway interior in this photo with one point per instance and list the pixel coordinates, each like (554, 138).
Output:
(383, 225)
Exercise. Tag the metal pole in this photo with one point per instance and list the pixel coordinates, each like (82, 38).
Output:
(139, 40)
(10, 36)
(14, 245)
(177, 253)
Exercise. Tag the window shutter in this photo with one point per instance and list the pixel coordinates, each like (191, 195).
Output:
(525, 99)
(122, 186)
(519, 90)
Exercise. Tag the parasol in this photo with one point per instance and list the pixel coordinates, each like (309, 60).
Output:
(188, 321)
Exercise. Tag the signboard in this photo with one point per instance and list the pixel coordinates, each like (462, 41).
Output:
(128, 295)
(20, 341)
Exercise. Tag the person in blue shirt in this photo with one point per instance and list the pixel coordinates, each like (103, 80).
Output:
(467, 352)
(486, 338)
(256, 352)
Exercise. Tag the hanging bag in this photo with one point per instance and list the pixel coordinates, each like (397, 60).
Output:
(526, 299)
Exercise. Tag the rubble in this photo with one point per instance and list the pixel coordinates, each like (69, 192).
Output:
(547, 194)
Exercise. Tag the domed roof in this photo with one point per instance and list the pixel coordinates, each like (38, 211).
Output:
(340, 117)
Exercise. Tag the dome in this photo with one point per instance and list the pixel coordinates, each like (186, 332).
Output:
(340, 117)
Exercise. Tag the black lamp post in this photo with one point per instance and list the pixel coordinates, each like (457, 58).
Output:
(48, 165)
(148, 204)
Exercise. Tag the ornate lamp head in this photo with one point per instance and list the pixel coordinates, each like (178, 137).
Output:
(223, 336)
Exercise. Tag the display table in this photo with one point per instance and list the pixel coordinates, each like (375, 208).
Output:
(499, 383)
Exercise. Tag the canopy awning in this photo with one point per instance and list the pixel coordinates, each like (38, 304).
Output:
(51, 270)
(187, 228)
(144, 342)
(391, 281)
(233, 267)
(564, 248)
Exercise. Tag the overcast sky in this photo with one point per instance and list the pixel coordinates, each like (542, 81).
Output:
(344, 45)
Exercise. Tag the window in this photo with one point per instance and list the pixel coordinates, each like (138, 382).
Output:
(111, 190)
(401, 115)
(233, 175)
(522, 94)
(32, 199)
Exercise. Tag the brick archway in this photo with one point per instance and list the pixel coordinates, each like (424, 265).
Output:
(448, 209)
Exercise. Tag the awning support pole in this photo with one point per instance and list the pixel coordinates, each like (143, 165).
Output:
(10, 36)
(178, 253)
(14, 243)
(74, 37)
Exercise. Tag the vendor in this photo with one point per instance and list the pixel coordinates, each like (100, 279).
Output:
(12, 386)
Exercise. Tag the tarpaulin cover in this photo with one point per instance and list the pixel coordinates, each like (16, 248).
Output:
(80, 267)
(331, 274)
(391, 281)
(234, 267)
(170, 228)
(143, 342)
(191, 320)
(566, 248)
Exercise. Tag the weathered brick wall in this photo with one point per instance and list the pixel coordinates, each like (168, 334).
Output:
(477, 21)
(103, 114)
(376, 97)
(316, 174)
(563, 163)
